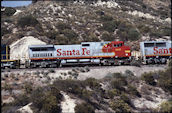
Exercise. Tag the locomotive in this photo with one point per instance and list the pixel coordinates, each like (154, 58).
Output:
(154, 52)
(101, 53)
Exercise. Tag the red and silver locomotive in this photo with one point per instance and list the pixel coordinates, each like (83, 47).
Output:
(103, 53)
(154, 52)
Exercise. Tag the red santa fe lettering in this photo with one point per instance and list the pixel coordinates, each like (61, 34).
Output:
(83, 51)
(58, 52)
(165, 51)
(155, 50)
(170, 50)
(88, 52)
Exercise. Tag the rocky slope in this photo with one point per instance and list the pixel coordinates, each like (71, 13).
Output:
(76, 21)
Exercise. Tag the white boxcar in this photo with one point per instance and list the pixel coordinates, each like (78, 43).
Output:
(155, 51)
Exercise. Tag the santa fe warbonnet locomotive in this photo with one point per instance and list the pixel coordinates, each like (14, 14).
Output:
(102, 53)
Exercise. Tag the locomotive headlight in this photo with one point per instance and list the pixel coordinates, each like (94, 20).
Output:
(126, 54)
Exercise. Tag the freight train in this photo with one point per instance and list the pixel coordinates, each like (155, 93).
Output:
(102, 53)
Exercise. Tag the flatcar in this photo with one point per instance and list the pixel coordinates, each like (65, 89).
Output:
(6, 62)
(154, 52)
(103, 53)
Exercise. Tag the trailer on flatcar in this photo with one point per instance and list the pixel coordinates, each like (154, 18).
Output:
(156, 52)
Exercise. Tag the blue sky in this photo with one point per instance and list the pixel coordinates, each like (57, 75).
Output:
(15, 3)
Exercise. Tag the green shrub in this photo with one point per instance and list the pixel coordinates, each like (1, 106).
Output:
(118, 84)
(89, 38)
(166, 31)
(125, 98)
(52, 71)
(143, 29)
(70, 34)
(148, 78)
(133, 90)
(52, 34)
(63, 26)
(92, 83)
(170, 63)
(70, 86)
(165, 81)
(47, 99)
(50, 104)
(28, 88)
(4, 31)
(133, 34)
(106, 18)
(84, 108)
(106, 36)
(166, 107)
(61, 40)
(9, 11)
(114, 92)
(129, 73)
(120, 106)
(28, 20)
(21, 100)
(109, 26)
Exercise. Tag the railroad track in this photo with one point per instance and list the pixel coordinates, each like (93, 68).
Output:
(73, 67)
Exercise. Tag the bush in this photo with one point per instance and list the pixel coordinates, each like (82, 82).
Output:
(70, 86)
(92, 83)
(129, 73)
(47, 99)
(127, 31)
(4, 31)
(109, 26)
(63, 26)
(106, 36)
(70, 34)
(21, 100)
(170, 63)
(118, 84)
(120, 106)
(89, 38)
(148, 78)
(84, 108)
(114, 92)
(133, 90)
(52, 34)
(52, 71)
(166, 107)
(9, 11)
(28, 88)
(125, 98)
(28, 20)
(106, 18)
(133, 34)
(165, 81)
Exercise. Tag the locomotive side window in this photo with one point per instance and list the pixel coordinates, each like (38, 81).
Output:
(160, 44)
(85, 44)
(120, 44)
(149, 44)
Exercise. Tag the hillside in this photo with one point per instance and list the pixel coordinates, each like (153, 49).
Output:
(89, 89)
(72, 22)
